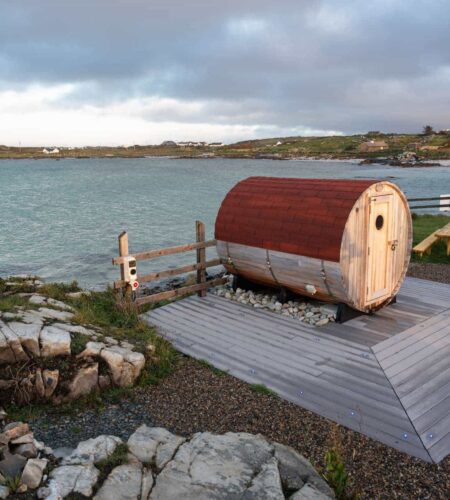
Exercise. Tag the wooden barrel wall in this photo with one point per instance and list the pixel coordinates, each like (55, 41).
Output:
(343, 241)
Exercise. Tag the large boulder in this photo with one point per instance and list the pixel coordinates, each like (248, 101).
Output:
(93, 450)
(212, 467)
(28, 334)
(84, 382)
(123, 483)
(296, 471)
(69, 479)
(125, 365)
(54, 342)
(154, 445)
(6, 353)
(14, 343)
(33, 472)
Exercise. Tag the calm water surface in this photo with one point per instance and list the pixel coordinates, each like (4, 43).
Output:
(60, 219)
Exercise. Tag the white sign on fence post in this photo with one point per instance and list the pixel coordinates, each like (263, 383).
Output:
(445, 204)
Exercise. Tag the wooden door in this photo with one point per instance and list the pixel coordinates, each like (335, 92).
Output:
(380, 251)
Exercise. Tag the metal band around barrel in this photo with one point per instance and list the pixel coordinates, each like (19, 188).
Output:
(269, 265)
(229, 259)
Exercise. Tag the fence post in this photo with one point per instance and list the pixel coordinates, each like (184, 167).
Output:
(201, 256)
(123, 252)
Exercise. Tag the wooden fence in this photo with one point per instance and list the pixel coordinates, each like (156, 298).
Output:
(200, 266)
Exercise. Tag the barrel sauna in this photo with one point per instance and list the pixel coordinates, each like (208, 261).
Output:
(342, 241)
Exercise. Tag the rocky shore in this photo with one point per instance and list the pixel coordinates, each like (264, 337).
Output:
(155, 464)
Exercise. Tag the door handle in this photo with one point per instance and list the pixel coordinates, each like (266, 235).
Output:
(393, 244)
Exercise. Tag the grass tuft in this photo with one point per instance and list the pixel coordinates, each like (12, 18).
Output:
(263, 389)
(58, 291)
(118, 457)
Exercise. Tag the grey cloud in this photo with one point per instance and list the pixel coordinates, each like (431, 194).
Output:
(344, 65)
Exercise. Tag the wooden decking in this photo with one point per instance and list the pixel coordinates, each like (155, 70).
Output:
(386, 375)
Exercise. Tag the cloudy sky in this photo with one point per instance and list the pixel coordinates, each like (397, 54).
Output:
(77, 72)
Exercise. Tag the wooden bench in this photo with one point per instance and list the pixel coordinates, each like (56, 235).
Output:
(425, 245)
(444, 234)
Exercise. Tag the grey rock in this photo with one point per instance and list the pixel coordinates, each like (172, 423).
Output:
(125, 365)
(266, 484)
(14, 342)
(6, 354)
(37, 299)
(54, 342)
(50, 379)
(322, 322)
(295, 470)
(309, 492)
(154, 445)
(4, 492)
(28, 334)
(33, 471)
(74, 329)
(92, 349)
(27, 450)
(43, 492)
(93, 450)
(12, 465)
(84, 382)
(212, 467)
(54, 314)
(62, 452)
(123, 483)
(147, 483)
(60, 305)
(73, 478)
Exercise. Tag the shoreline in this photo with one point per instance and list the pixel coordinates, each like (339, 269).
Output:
(426, 163)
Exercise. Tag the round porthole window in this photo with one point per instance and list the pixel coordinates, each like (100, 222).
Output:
(379, 221)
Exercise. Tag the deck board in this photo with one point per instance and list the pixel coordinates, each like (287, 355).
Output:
(385, 375)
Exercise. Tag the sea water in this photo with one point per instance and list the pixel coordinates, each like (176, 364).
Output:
(61, 219)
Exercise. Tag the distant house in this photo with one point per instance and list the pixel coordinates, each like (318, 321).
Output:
(279, 143)
(169, 143)
(413, 146)
(46, 151)
(371, 146)
(54, 151)
(215, 144)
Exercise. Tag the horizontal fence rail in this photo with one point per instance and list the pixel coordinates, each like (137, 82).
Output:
(443, 206)
(200, 267)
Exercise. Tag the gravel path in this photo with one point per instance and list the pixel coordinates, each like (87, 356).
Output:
(433, 272)
(195, 399)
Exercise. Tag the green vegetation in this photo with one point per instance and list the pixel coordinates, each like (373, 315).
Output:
(263, 389)
(58, 291)
(423, 226)
(10, 302)
(100, 309)
(277, 147)
(335, 473)
(118, 457)
(78, 342)
(12, 483)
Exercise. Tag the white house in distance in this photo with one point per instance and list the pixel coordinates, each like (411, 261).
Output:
(54, 151)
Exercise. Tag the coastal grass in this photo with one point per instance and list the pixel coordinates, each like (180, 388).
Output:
(423, 226)
(58, 291)
(100, 309)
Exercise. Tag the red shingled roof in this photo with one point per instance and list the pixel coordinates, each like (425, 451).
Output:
(299, 216)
